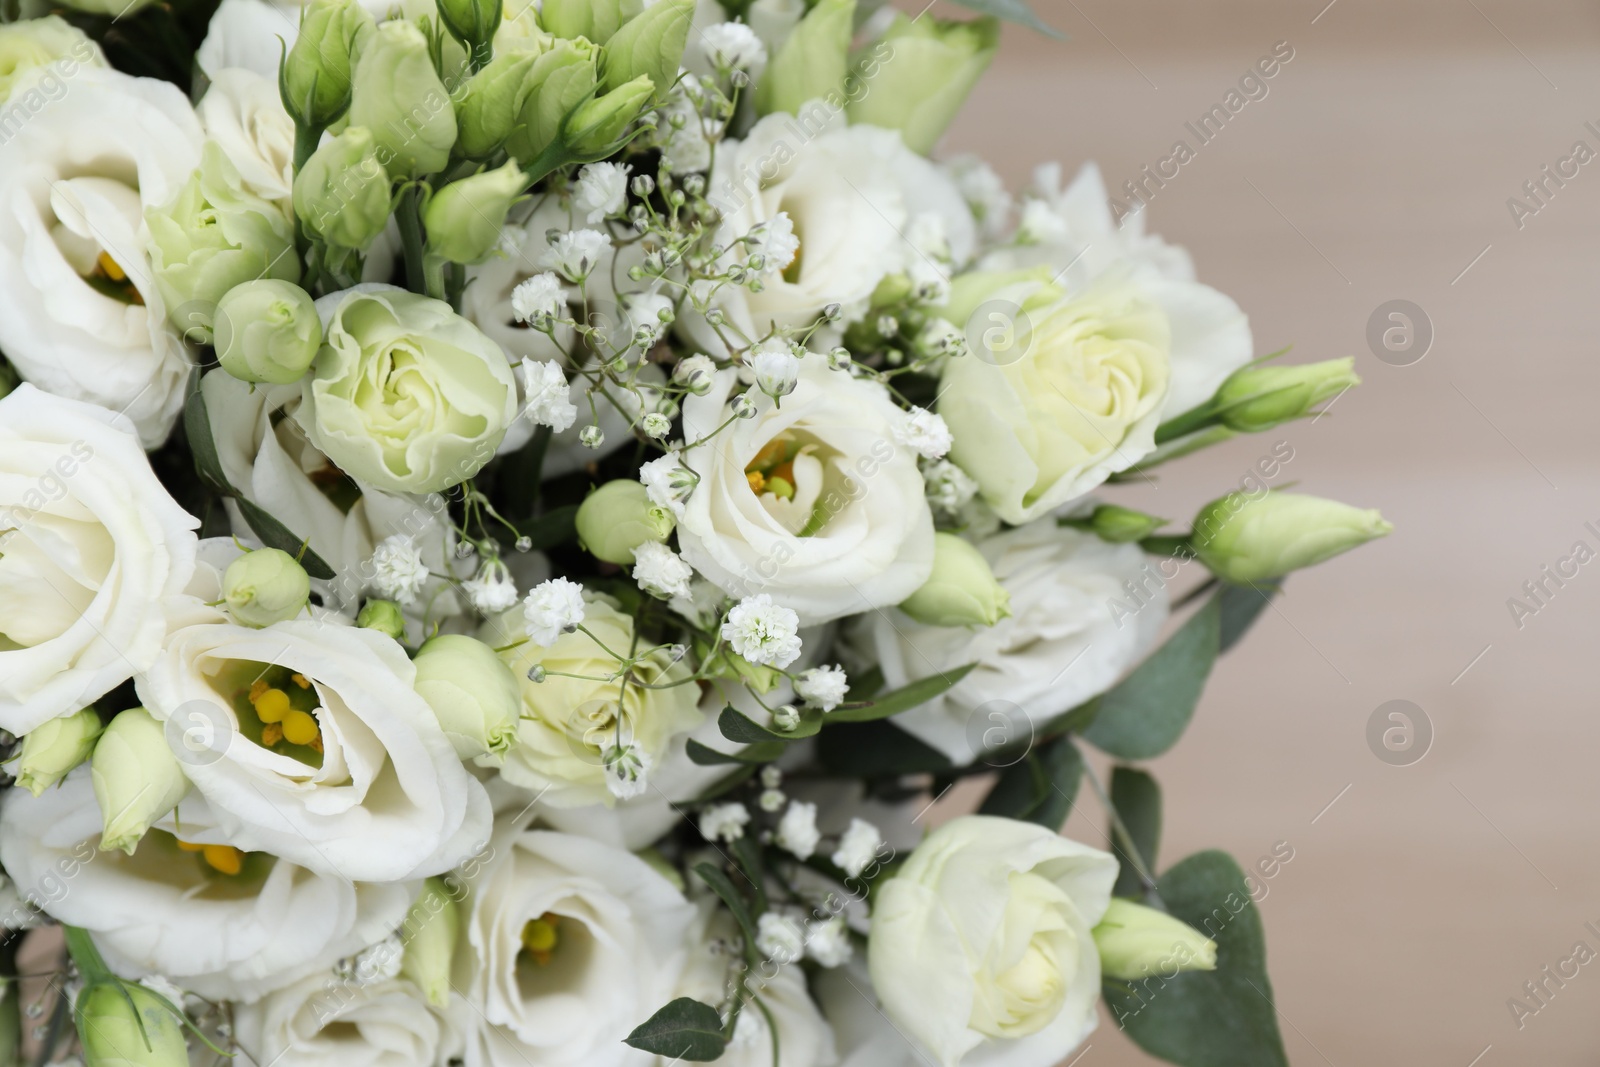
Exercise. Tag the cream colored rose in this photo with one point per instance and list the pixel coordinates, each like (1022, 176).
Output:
(982, 941)
(328, 1021)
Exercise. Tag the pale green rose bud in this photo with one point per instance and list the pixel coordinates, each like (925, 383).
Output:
(267, 331)
(52, 749)
(1135, 942)
(398, 96)
(813, 61)
(595, 20)
(592, 132)
(473, 693)
(341, 195)
(383, 616)
(473, 23)
(488, 106)
(137, 779)
(933, 65)
(315, 80)
(558, 81)
(464, 218)
(962, 590)
(123, 1024)
(430, 932)
(1246, 539)
(617, 518)
(213, 236)
(1258, 398)
(265, 586)
(650, 45)
(43, 53)
(1119, 525)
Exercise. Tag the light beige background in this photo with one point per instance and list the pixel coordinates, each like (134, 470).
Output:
(1378, 167)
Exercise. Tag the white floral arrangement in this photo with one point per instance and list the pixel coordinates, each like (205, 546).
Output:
(512, 518)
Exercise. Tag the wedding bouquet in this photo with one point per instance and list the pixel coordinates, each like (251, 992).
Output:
(512, 516)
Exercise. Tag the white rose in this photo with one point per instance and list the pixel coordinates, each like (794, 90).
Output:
(329, 1021)
(852, 532)
(80, 315)
(616, 931)
(1063, 643)
(165, 911)
(92, 553)
(243, 112)
(385, 798)
(981, 947)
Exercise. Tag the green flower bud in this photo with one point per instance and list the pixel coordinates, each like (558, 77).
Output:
(341, 195)
(430, 932)
(1119, 525)
(961, 591)
(1258, 398)
(265, 586)
(213, 236)
(33, 49)
(558, 81)
(399, 97)
(813, 61)
(383, 616)
(52, 749)
(137, 779)
(933, 66)
(474, 694)
(490, 102)
(1246, 539)
(267, 331)
(617, 518)
(650, 45)
(315, 80)
(1136, 941)
(464, 218)
(472, 22)
(123, 1024)
(595, 20)
(592, 132)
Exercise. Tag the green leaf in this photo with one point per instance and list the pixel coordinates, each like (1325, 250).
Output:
(875, 749)
(1220, 1018)
(683, 1030)
(724, 888)
(275, 534)
(555, 527)
(737, 726)
(1241, 606)
(902, 699)
(1016, 11)
(197, 427)
(1137, 799)
(747, 856)
(1039, 788)
(706, 756)
(1144, 714)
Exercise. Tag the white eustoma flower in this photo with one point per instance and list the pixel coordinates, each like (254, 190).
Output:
(695, 373)
(548, 395)
(166, 911)
(858, 847)
(668, 482)
(780, 938)
(493, 590)
(775, 366)
(538, 297)
(828, 942)
(925, 433)
(243, 112)
(724, 822)
(797, 830)
(775, 242)
(245, 33)
(660, 571)
(823, 687)
(732, 46)
(327, 1021)
(80, 314)
(553, 608)
(93, 553)
(576, 253)
(398, 572)
(763, 632)
(601, 190)
(949, 487)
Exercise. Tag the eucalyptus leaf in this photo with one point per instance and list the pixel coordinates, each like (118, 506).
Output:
(737, 726)
(905, 698)
(555, 527)
(203, 445)
(874, 750)
(723, 886)
(1041, 787)
(1241, 606)
(275, 534)
(1137, 799)
(706, 756)
(684, 1029)
(1144, 715)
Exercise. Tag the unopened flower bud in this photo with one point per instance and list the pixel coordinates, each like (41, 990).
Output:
(472, 692)
(786, 718)
(342, 193)
(123, 1024)
(383, 616)
(744, 407)
(267, 330)
(617, 518)
(472, 22)
(695, 374)
(265, 586)
(430, 932)
(813, 61)
(464, 219)
(649, 45)
(1251, 540)
(397, 95)
(594, 20)
(1119, 525)
(1136, 942)
(137, 779)
(1258, 398)
(591, 436)
(839, 359)
(316, 77)
(962, 590)
(53, 748)
(936, 64)
(595, 129)
(776, 368)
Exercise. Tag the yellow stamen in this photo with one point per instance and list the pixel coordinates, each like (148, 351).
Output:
(258, 687)
(111, 268)
(271, 734)
(757, 480)
(541, 936)
(300, 680)
(189, 846)
(272, 705)
(300, 728)
(223, 858)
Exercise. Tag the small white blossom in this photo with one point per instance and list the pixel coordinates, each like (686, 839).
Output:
(823, 687)
(925, 432)
(668, 482)
(771, 776)
(983, 191)
(576, 253)
(538, 297)
(797, 830)
(656, 425)
(397, 569)
(775, 242)
(551, 609)
(493, 590)
(724, 822)
(1041, 224)
(771, 800)
(828, 942)
(378, 963)
(763, 632)
(858, 847)
(776, 367)
(949, 487)
(549, 396)
(660, 571)
(732, 46)
(695, 374)
(626, 767)
(601, 190)
(780, 938)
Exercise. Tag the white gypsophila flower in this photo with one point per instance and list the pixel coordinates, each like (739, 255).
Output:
(771, 800)
(397, 569)
(732, 46)
(930, 285)
(724, 822)
(538, 297)
(684, 133)
(549, 395)
(797, 830)
(627, 770)
(1041, 224)
(762, 631)
(823, 687)
(858, 847)
(925, 432)
(828, 943)
(668, 482)
(656, 425)
(601, 190)
(983, 191)
(551, 609)
(660, 571)
(771, 776)
(776, 368)
(775, 241)
(949, 487)
(575, 253)
(695, 373)
(780, 938)
(493, 590)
